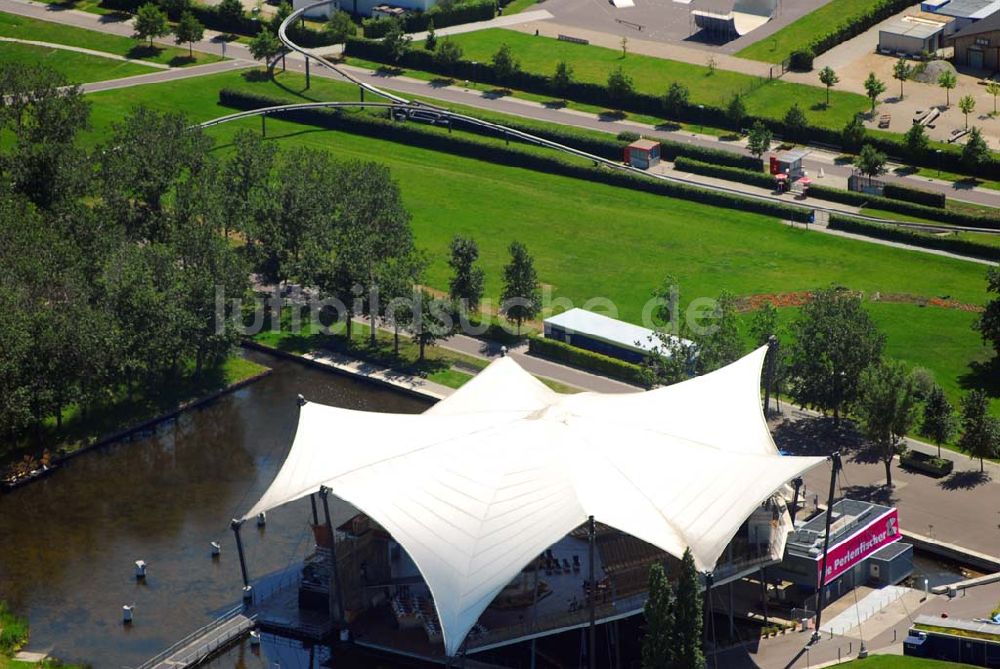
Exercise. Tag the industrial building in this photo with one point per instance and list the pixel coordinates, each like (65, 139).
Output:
(911, 35)
(978, 45)
(865, 548)
(962, 13)
(601, 334)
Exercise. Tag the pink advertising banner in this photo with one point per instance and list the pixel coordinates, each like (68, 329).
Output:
(880, 532)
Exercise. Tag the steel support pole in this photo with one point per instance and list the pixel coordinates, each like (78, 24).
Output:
(312, 502)
(772, 351)
(307, 72)
(763, 593)
(797, 485)
(236, 525)
(263, 125)
(591, 650)
(821, 598)
(324, 493)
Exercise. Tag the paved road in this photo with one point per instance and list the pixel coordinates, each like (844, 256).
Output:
(818, 160)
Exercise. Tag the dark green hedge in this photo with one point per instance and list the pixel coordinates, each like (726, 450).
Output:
(206, 14)
(877, 12)
(933, 214)
(424, 136)
(951, 244)
(915, 195)
(754, 178)
(646, 103)
(553, 349)
(469, 11)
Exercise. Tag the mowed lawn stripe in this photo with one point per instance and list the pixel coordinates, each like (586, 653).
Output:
(78, 68)
(26, 28)
(800, 33)
(594, 240)
(651, 75)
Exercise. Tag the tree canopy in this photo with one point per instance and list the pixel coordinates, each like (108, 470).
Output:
(835, 341)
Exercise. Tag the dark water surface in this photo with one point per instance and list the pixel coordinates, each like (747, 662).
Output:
(68, 542)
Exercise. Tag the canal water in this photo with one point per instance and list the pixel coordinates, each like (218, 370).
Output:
(68, 543)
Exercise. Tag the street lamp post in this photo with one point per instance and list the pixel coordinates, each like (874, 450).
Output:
(938, 152)
(701, 118)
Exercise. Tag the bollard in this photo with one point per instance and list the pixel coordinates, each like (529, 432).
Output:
(261, 519)
(140, 570)
(247, 594)
(254, 638)
(216, 549)
(127, 614)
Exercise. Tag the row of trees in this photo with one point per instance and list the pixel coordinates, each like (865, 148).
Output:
(151, 23)
(672, 637)
(835, 364)
(111, 256)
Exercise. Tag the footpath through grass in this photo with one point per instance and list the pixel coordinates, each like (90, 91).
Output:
(800, 33)
(440, 365)
(78, 68)
(594, 240)
(654, 75)
(23, 27)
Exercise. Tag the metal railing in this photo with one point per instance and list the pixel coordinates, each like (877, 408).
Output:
(226, 617)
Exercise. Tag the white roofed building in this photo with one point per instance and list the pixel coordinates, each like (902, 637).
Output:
(497, 480)
(602, 334)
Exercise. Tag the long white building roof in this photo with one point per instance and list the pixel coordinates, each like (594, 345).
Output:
(483, 482)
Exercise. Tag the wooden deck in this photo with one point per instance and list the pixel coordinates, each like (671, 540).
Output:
(202, 644)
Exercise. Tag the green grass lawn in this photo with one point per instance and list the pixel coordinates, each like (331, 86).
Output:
(901, 662)
(592, 240)
(78, 68)
(654, 75)
(518, 6)
(800, 33)
(23, 27)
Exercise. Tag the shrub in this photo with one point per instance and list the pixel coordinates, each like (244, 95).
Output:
(801, 60)
(915, 195)
(423, 136)
(951, 244)
(926, 463)
(879, 10)
(628, 136)
(587, 360)
(757, 178)
(441, 16)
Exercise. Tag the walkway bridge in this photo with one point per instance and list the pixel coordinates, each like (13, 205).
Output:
(202, 644)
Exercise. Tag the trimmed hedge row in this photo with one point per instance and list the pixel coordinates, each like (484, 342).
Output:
(208, 16)
(951, 244)
(461, 12)
(949, 159)
(915, 195)
(756, 178)
(877, 12)
(426, 137)
(855, 199)
(558, 351)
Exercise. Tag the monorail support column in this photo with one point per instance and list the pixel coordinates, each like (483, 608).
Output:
(312, 501)
(821, 598)
(592, 641)
(263, 125)
(335, 589)
(307, 72)
(361, 90)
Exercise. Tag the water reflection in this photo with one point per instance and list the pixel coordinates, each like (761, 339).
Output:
(68, 542)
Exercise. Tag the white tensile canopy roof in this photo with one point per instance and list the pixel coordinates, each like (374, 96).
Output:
(484, 481)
